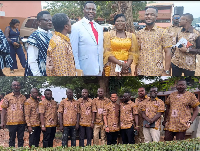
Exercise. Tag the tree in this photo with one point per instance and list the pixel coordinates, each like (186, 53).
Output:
(27, 83)
(130, 9)
(109, 84)
(74, 9)
(105, 9)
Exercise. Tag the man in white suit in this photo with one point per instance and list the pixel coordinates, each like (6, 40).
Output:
(87, 42)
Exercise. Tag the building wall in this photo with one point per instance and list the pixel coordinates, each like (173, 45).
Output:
(21, 9)
(162, 14)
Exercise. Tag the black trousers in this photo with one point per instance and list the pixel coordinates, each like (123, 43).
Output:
(48, 136)
(128, 135)
(19, 129)
(176, 71)
(82, 131)
(34, 138)
(112, 138)
(69, 131)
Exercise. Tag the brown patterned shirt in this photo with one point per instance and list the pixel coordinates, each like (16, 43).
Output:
(85, 110)
(139, 105)
(111, 111)
(32, 112)
(127, 112)
(98, 106)
(186, 60)
(49, 108)
(151, 44)
(70, 110)
(180, 110)
(60, 58)
(173, 31)
(15, 108)
(151, 108)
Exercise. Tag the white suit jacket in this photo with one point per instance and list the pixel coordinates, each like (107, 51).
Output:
(88, 55)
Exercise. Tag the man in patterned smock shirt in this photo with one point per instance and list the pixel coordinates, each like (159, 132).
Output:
(14, 104)
(32, 118)
(60, 58)
(48, 118)
(184, 59)
(142, 97)
(85, 113)
(152, 110)
(178, 112)
(98, 105)
(111, 119)
(68, 113)
(151, 41)
(128, 119)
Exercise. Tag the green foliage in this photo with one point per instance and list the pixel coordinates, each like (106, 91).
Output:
(74, 9)
(185, 145)
(27, 83)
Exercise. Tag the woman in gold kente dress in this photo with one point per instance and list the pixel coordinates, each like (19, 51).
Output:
(120, 49)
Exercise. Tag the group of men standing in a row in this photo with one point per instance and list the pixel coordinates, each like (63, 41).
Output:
(137, 122)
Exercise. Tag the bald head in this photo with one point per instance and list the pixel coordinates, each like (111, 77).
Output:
(100, 92)
(16, 86)
(84, 94)
(34, 93)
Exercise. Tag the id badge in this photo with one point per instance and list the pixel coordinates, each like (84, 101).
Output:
(174, 113)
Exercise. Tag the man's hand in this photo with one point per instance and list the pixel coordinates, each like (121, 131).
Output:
(3, 125)
(92, 125)
(43, 128)
(183, 49)
(147, 125)
(30, 129)
(189, 123)
(107, 129)
(150, 121)
(61, 128)
(136, 128)
(77, 126)
(164, 74)
(16, 44)
(163, 123)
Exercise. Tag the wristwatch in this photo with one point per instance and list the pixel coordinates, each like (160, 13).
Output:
(190, 122)
(43, 126)
(106, 126)
(188, 50)
(92, 122)
(167, 71)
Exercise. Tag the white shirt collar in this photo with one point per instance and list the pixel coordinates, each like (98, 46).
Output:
(87, 21)
(42, 30)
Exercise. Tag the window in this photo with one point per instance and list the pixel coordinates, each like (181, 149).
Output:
(31, 23)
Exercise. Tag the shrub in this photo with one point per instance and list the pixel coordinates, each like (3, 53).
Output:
(185, 145)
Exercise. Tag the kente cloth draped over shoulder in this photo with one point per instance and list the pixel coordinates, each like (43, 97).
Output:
(40, 40)
(5, 58)
(121, 48)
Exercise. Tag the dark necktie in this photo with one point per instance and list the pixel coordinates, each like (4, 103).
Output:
(95, 32)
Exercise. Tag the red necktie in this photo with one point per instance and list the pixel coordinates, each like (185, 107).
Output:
(94, 31)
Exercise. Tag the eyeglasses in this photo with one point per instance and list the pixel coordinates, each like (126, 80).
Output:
(176, 17)
(47, 20)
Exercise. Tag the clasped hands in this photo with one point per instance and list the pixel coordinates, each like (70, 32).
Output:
(125, 68)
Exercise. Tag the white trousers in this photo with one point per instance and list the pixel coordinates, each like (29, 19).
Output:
(151, 135)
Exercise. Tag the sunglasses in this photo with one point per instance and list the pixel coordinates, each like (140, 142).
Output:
(176, 17)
